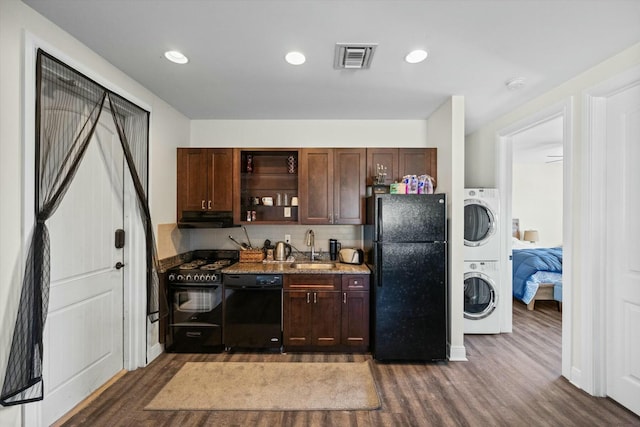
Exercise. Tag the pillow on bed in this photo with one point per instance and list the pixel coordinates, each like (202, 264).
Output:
(521, 244)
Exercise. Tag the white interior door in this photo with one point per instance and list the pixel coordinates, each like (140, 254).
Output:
(83, 337)
(623, 247)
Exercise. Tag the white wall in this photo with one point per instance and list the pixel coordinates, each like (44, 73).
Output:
(168, 130)
(347, 235)
(481, 167)
(309, 133)
(446, 132)
(537, 200)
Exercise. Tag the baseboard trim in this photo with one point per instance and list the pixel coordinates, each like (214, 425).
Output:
(93, 396)
(576, 377)
(154, 351)
(458, 354)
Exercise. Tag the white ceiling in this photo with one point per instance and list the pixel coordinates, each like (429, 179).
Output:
(539, 144)
(236, 50)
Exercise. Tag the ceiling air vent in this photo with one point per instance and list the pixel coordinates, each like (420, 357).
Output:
(354, 55)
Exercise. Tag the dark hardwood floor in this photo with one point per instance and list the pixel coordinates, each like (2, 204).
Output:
(509, 380)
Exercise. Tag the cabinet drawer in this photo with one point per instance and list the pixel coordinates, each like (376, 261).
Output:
(323, 282)
(355, 282)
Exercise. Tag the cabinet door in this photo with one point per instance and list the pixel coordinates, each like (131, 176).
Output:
(316, 186)
(220, 179)
(417, 161)
(349, 185)
(355, 318)
(193, 180)
(297, 318)
(387, 157)
(325, 324)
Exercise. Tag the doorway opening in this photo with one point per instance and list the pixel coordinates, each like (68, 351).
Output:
(527, 149)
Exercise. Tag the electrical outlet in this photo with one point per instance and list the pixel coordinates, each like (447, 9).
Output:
(287, 238)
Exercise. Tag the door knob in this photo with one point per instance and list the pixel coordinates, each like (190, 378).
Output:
(119, 265)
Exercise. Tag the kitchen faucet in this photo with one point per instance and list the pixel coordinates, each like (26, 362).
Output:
(310, 239)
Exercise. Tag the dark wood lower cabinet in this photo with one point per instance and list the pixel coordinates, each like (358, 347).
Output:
(355, 312)
(355, 319)
(324, 312)
(312, 318)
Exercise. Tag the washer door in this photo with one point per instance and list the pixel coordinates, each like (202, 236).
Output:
(479, 222)
(480, 298)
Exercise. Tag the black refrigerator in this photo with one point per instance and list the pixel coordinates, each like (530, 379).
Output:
(405, 242)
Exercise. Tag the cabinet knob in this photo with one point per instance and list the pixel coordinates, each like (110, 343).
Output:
(308, 300)
(209, 205)
(202, 205)
(315, 298)
(344, 297)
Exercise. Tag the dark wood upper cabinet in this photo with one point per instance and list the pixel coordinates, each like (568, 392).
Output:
(332, 185)
(329, 184)
(402, 161)
(204, 179)
(387, 157)
(349, 190)
(418, 161)
(316, 186)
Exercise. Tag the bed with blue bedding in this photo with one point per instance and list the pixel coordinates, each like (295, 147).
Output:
(536, 270)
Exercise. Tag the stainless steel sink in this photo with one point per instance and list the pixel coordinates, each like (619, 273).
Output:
(313, 265)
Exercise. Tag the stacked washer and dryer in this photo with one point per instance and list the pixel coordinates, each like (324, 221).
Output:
(481, 261)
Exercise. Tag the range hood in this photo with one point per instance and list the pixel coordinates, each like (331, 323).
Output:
(206, 220)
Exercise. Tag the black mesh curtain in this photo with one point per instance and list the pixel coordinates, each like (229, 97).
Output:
(68, 108)
(133, 128)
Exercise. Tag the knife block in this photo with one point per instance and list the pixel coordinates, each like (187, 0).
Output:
(251, 255)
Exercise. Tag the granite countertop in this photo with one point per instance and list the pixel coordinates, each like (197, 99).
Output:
(285, 268)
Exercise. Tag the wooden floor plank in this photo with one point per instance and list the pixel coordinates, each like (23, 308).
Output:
(509, 380)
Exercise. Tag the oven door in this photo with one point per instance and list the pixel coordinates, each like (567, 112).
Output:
(196, 318)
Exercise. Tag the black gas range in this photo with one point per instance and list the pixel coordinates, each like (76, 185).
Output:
(196, 300)
(204, 268)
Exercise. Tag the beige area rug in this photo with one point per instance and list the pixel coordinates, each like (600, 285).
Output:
(277, 386)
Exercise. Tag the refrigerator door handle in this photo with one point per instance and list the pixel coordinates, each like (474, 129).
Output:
(379, 220)
(377, 262)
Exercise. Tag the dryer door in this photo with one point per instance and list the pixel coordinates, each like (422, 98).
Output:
(480, 297)
(479, 222)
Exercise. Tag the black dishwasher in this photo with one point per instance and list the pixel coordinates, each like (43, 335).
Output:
(252, 311)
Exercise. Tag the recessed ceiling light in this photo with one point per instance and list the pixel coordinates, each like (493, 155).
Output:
(295, 58)
(175, 56)
(416, 56)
